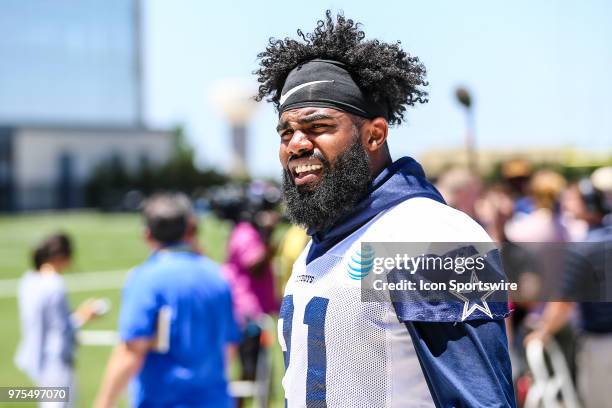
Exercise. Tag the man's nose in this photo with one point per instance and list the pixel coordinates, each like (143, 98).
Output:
(299, 144)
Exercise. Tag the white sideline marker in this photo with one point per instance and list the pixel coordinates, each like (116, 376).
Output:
(98, 337)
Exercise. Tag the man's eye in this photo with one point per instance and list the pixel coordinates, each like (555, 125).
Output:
(319, 126)
(285, 134)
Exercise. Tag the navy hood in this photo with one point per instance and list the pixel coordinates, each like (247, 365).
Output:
(401, 180)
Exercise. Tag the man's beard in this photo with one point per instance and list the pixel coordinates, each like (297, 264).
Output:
(341, 187)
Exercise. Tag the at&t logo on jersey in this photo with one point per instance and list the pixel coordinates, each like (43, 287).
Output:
(360, 262)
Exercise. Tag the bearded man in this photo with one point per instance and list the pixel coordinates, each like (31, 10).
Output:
(337, 94)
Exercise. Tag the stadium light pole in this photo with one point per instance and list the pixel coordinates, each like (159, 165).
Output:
(465, 99)
(234, 99)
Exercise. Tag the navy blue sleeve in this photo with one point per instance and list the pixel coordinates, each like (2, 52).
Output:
(465, 364)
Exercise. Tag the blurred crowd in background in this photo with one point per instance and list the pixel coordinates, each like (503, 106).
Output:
(530, 206)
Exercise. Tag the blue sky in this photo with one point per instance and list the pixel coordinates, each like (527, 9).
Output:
(540, 71)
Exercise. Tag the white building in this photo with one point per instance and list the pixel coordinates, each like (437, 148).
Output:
(48, 166)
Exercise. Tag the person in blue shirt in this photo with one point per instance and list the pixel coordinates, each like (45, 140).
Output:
(176, 319)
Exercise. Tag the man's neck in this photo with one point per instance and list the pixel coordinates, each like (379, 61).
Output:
(379, 164)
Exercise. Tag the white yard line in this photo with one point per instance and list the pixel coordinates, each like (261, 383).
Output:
(78, 282)
(102, 338)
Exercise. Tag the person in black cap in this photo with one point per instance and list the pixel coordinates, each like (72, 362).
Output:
(337, 94)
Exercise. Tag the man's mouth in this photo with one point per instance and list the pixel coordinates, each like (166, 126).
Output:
(307, 173)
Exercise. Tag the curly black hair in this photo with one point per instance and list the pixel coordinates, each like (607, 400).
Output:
(384, 71)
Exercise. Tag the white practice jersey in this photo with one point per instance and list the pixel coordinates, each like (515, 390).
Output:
(342, 352)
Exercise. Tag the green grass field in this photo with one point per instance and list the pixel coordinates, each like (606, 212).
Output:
(103, 242)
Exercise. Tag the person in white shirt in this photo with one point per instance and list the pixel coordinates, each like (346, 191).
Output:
(46, 351)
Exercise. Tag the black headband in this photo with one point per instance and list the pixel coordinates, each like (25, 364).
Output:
(327, 84)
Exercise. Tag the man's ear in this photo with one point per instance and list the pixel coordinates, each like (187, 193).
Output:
(375, 135)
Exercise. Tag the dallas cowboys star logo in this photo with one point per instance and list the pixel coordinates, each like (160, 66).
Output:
(467, 309)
